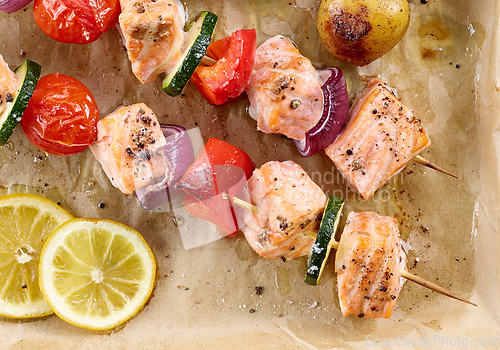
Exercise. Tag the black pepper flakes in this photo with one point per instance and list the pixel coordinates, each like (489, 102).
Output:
(259, 290)
(295, 104)
(9, 98)
(129, 152)
(102, 205)
(139, 8)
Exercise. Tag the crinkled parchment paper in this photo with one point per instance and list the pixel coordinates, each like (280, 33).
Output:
(445, 69)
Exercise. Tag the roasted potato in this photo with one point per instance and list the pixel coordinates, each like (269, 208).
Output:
(360, 31)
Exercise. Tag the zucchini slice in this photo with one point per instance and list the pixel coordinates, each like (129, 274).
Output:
(198, 38)
(28, 74)
(324, 240)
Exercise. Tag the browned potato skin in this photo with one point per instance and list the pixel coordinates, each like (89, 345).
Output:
(360, 31)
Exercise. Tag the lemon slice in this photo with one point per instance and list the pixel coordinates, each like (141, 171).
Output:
(25, 222)
(96, 274)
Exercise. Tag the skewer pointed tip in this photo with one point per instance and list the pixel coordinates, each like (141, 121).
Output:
(428, 164)
(432, 286)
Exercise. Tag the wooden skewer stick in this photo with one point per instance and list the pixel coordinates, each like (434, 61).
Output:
(241, 203)
(335, 245)
(428, 164)
(208, 61)
(422, 282)
(434, 287)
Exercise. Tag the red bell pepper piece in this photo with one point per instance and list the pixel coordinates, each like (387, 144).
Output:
(227, 79)
(219, 169)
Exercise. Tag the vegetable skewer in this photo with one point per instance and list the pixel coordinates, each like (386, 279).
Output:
(335, 245)
(208, 61)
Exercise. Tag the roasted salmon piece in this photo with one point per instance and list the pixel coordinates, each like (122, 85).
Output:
(381, 136)
(285, 97)
(368, 264)
(128, 146)
(290, 206)
(8, 84)
(153, 35)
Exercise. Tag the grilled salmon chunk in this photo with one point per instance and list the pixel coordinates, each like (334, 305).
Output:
(382, 135)
(368, 264)
(153, 35)
(284, 95)
(290, 206)
(128, 146)
(8, 84)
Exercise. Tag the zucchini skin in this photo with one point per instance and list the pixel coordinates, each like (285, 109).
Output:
(326, 234)
(33, 72)
(194, 55)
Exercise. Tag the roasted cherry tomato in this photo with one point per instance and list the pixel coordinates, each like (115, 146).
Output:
(62, 115)
(218, 170)
(227, 79)
(75, 21)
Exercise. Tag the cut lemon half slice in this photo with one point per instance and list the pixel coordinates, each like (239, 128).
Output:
(96, 274)
(25, 223)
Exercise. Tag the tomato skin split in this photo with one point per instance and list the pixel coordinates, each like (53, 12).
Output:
(227, 79)
(75, 21)
(61, 117)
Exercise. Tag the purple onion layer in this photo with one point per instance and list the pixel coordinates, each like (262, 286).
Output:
(335, 111)
(10, 6)
(178, 153)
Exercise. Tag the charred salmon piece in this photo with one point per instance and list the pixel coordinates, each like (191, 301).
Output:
(8, 84)
(381, 136)
(153, 36)
(285, 97)
(368, 264)
(128, 146)
(290, 206)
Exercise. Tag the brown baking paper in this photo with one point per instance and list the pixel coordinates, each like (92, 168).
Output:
(445, 69)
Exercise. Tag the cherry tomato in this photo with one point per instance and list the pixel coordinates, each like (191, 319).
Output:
(227, 79)
(75, 21)
(61, 117)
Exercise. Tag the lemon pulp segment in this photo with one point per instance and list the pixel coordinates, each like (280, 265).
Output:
(96, 274)
(25, 223)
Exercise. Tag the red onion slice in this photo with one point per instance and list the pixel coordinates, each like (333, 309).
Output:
(179, 155)
(335, 111)
(9, 6)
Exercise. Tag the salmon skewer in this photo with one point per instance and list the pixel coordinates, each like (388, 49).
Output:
(128, 146)
(8, 84)
(288, 206)
(370, 263)
(382, 135)
(285, 96)
(153, 35)
(371, 266)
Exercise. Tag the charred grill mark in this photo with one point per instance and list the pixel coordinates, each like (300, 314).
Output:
(348, 32)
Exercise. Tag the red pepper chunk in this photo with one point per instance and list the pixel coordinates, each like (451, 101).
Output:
(227, 79)
(219, 169)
